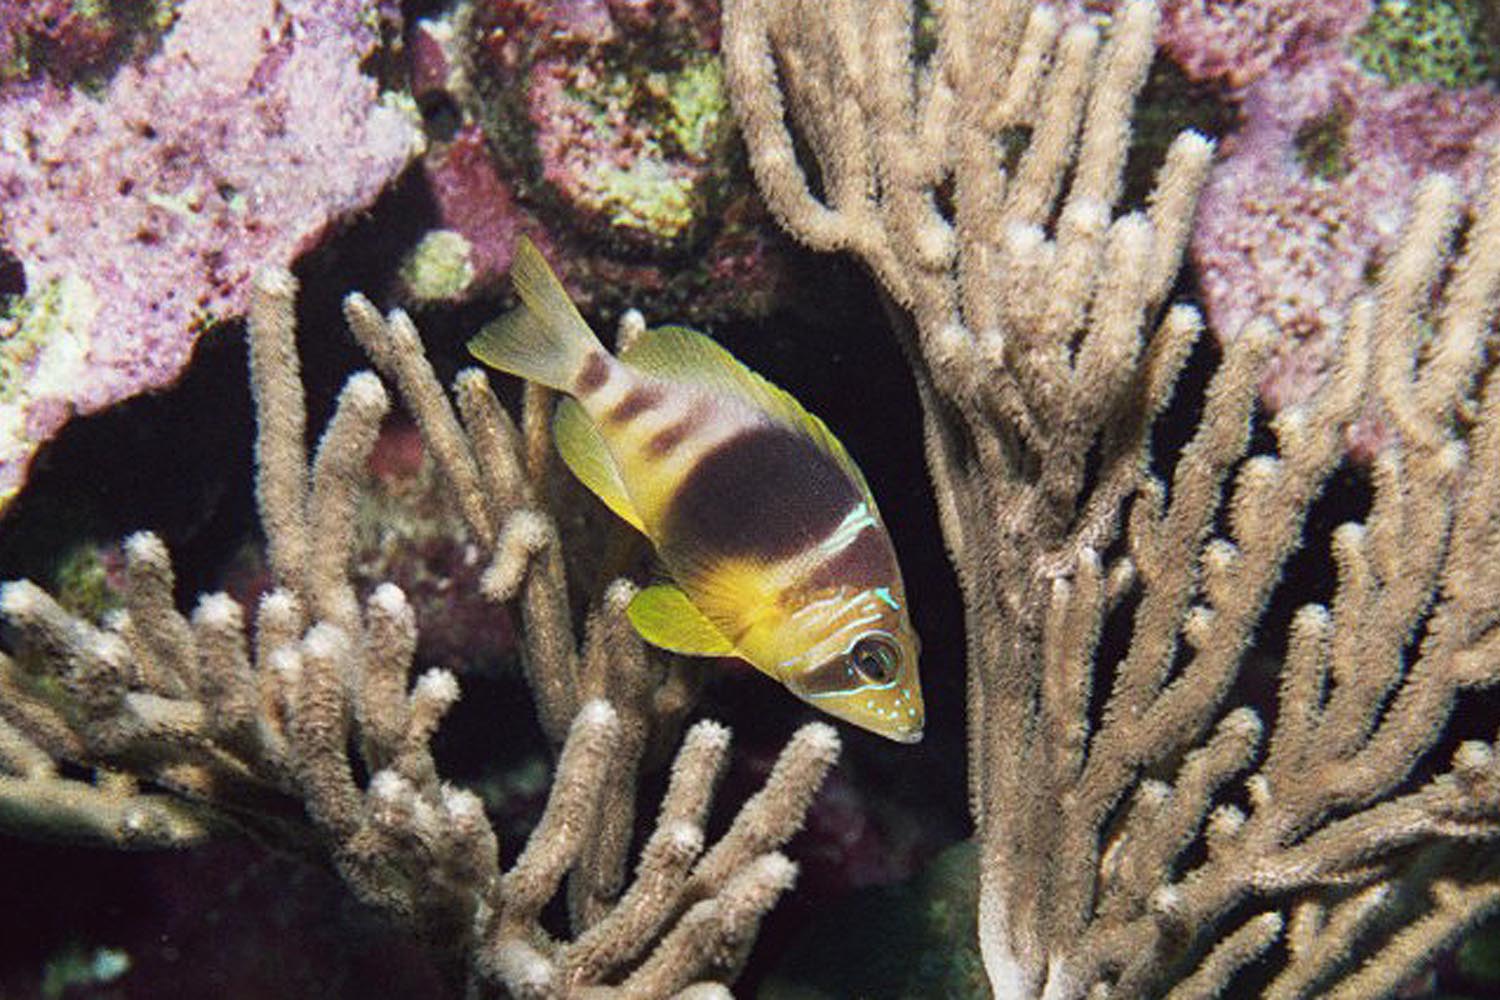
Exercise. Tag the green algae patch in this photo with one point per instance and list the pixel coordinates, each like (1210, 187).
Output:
(647, 196)
(676, 122)
(1447, 42)
(83, 585)
(1322, 144)
(440, 268)
(695, 106)
(60, 309)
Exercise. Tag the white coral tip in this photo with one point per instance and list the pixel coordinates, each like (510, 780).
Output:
(21, 599)
(1194, 144)
(218, 611)
(597, 712)
(388, 786)
(709, 732)
(531, 529)
(143, 546)
(390, 600)
(1473, 756)
(324, 641)
(462, 805)
(821, 739)
(365, 391)
(1243, 722)
(1166, 902)
(685, 839)
(775, 869)
(437, 685)
(619, 595)
(279, 603)
(286, 663)
(276, 282)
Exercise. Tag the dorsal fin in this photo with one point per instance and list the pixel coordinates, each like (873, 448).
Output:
(584, 452)
(675, 352)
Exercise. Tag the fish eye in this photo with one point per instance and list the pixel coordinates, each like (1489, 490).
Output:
(876, 658)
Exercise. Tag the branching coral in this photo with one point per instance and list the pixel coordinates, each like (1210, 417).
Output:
(195, 724)
(1149, 825)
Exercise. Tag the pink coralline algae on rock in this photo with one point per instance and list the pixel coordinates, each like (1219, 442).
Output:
(69, 40)
(1312, 191)
(1238, 41)
(608, 136)
(480, 219)
(140, 213)
(1343, 107)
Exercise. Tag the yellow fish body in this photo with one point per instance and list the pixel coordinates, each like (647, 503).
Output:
(772, 539)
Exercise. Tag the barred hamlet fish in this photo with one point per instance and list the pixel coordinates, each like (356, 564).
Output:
(770, 536)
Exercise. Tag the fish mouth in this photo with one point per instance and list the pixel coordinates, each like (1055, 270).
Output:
(907, 736)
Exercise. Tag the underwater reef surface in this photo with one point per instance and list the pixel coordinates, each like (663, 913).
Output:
(153, 161)
(1332, 112)
(880, 820)
(600, 130)
(137, 211)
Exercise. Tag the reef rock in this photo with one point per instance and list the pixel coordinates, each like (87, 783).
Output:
(138, 212)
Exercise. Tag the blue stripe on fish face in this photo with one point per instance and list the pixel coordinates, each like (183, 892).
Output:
(767, 493)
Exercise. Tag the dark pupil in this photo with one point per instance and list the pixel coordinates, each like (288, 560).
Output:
(875, 660)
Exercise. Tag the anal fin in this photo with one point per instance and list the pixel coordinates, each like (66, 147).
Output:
(584, 452)
(665, 617)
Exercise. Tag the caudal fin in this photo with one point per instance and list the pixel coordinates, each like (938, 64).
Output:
(545, 340)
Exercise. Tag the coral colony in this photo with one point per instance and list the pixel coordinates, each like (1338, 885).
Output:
(1143, 828)
(200, 724)
(1229, 580)
(602, 131)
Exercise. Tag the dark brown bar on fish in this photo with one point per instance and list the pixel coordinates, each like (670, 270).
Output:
(666, 440)
(767, 493)
(638, 400)
(592, 374)
(865, 562)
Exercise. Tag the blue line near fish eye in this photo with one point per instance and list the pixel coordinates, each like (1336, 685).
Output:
(884, 593)
(847, 692)
(857, 520)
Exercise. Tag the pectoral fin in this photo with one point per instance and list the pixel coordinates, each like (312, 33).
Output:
(665, 617)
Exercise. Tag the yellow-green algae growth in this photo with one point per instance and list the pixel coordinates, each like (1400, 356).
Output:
(1452, 43)
(685, 114)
